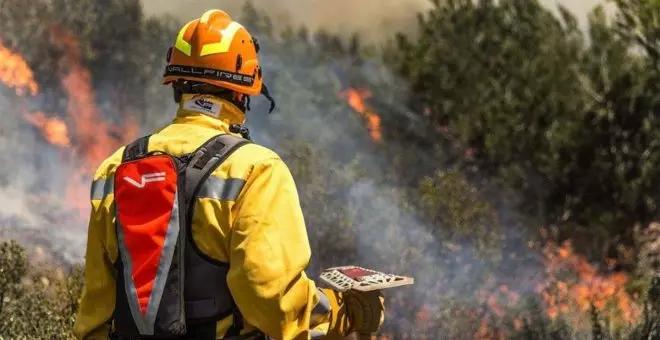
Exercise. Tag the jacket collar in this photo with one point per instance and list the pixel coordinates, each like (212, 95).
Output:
(209, 111)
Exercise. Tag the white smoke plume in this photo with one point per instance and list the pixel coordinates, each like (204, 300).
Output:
(373, 19)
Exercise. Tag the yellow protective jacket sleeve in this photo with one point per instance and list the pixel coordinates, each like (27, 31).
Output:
(98, 297)
(260, 232)
(269, 251)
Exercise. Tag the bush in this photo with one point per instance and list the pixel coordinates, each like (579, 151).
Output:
(35, 303)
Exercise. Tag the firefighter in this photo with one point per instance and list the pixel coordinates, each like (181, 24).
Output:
(246, 230)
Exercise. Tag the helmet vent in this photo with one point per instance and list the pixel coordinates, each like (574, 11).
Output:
(239, 62)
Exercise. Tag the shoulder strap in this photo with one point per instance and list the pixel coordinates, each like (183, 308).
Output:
(207, 158)
(136, 149)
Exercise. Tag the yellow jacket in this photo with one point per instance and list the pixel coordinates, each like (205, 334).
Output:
(260, 232)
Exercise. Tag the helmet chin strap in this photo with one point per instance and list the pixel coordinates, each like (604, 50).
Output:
(242, 129)
(264, 91)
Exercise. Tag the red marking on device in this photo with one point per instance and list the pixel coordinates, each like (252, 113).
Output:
(356, 273)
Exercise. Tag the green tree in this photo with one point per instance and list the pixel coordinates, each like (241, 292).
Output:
(569, 125)
(487, 72)
(611, 164)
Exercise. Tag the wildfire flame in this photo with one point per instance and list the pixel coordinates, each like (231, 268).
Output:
(356, 99)
(96, 139)
(88, 138)
(587, 288)
(54, 129)
(570, 288)
(15, 72)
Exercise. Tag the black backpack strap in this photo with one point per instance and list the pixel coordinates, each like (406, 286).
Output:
(237, 325)
(207, 158)
(138, 148)
(200, 166)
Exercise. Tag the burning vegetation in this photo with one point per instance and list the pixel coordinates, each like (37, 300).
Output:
(54, 130)
(356, 98)
(573, 286)
(83, 133)
(15, 72)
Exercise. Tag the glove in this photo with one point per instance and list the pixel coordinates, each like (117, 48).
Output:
(354, 311)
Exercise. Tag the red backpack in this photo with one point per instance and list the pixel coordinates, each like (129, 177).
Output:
(167, 288)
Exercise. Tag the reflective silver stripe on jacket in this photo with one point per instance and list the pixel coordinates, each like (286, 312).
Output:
(102, 187)
(221, 189)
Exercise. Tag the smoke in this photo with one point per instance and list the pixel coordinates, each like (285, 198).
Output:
(580, 9)
(375, 20)
(32, 186)
(360, 215)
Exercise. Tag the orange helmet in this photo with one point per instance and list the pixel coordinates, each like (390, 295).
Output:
(218, 51)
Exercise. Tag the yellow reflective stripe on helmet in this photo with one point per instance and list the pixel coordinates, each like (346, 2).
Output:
(224, 44)
(207, 15)
(181, 44)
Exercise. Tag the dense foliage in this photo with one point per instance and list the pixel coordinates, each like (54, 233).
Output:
(496, 118)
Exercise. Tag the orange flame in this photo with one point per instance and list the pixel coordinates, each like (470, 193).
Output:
(585, 288)
(485, 332)
(54, 130)
(89, 138)
(96, 139)
(15, 72)
(356, 99)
